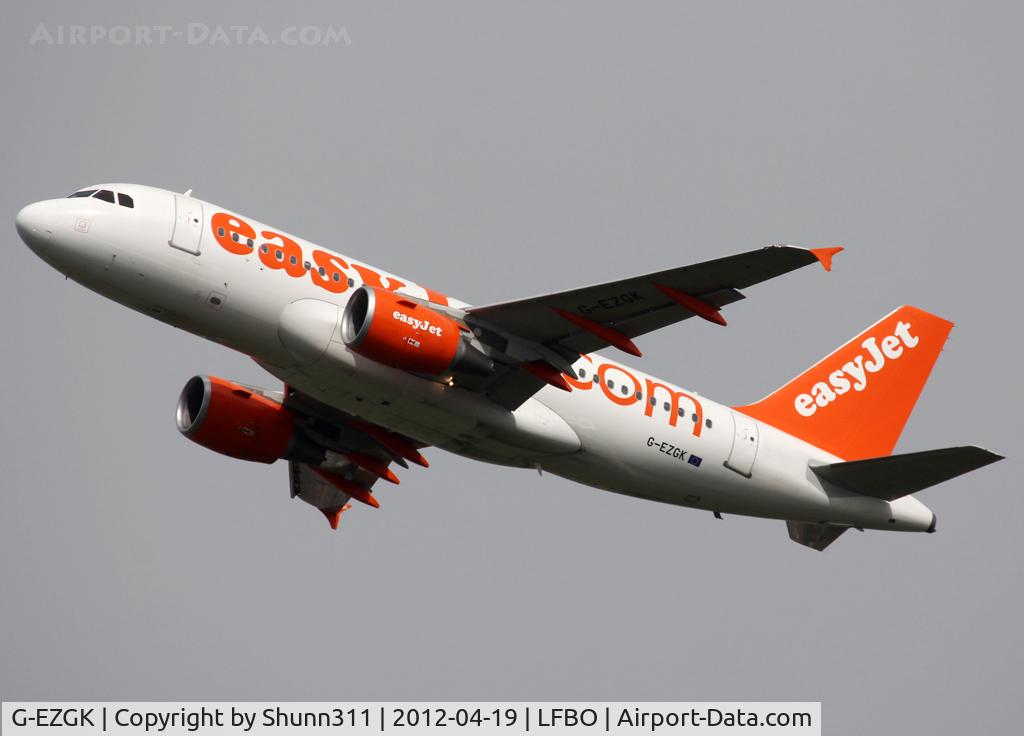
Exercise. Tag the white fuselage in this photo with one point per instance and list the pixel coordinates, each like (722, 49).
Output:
(162, 257)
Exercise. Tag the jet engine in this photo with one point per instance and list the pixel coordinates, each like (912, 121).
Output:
(239, 422)
(401, 332)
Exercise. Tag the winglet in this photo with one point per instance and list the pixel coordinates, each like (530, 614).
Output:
(824, 255)
(334, 514)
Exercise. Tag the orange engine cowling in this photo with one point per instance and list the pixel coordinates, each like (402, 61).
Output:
(235, 421)
(398, 331)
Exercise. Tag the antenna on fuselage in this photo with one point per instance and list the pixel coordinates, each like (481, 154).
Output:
(188, 193)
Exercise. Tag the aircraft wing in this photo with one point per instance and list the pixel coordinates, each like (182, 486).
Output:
(642, 304)
(317, 491)
(355, 455)
(570, 323)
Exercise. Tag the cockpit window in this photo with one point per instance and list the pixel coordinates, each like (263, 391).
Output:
(83, 193)
(125, 200)
(106, 195)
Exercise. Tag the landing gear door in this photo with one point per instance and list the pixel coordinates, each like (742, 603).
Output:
(188, 224)
(744, 445)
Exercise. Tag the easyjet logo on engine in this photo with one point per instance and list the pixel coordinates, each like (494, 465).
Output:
(855, 374)
(417, 324)
(280, 252)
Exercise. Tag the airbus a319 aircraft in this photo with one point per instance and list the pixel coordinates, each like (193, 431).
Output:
(377, 368)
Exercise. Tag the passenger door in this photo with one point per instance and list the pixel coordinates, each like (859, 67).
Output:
(188, 224)
(744, 444)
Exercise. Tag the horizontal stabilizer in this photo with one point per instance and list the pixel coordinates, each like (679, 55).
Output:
(815, 536)
(896, 476)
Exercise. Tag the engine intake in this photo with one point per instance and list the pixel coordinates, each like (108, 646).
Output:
(235, 421)
(397, 331)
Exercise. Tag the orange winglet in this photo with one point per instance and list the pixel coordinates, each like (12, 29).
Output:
(392, 442)
(547, 373)
(608, 334)
(334, 514)
(824, 255)
(701, 308)
(356, 491)
(375, 466)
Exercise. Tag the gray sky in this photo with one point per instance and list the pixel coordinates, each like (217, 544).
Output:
(494, 152)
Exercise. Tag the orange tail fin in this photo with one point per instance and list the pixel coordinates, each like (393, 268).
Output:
(855, 402)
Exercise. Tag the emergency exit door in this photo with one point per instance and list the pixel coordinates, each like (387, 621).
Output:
(744, 444)
(188, 224)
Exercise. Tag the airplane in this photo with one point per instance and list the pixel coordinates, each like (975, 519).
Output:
(377, 368)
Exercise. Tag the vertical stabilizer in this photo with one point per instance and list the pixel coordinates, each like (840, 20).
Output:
(855, 402)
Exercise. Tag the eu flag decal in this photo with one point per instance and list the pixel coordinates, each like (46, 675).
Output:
(695, 461)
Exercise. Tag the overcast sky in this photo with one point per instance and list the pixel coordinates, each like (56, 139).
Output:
(496, 151)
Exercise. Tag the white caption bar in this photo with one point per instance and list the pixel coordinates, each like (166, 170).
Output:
(358, 719)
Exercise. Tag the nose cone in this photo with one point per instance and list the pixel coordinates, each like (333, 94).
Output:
(35, 223)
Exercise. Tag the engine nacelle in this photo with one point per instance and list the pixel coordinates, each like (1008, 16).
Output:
(398, 331)
(235, 421)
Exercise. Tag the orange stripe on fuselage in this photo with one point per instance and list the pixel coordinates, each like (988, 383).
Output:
(283, 253)
(639, 392)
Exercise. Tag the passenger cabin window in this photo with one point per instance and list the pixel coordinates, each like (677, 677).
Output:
(106, 195)
(83, 193)
(125, 200)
